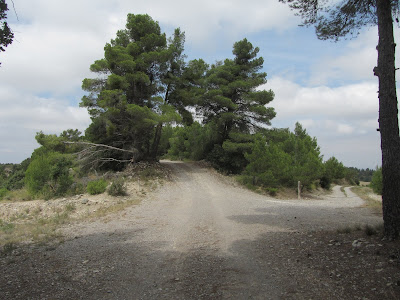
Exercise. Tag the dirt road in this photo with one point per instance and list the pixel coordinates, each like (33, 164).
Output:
(199, 237)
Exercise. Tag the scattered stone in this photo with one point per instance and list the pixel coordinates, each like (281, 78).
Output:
(356, 243)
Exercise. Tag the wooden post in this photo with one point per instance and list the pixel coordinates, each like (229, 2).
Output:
(298, 190)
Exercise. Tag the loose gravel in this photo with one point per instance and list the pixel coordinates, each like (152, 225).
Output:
(200, 237)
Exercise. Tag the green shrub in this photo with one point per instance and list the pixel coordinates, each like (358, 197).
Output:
(376, 182)
(272, 191)
(37, 175)
(325, 182)
(117, 188)
(96, 187)
(3, 193)
(48, 175)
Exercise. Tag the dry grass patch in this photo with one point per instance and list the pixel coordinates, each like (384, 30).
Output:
(371, 199)
(40, 224)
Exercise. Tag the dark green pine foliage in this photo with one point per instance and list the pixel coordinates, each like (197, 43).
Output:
(231, 100)
(129, 101)
(233, 103)
(282, 158)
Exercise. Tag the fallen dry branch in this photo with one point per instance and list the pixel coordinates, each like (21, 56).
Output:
(95, 155)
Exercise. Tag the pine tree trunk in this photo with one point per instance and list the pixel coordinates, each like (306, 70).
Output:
(156, 142)
(388, 121)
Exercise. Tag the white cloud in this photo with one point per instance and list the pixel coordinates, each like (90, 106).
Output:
(345, 129)
(343, 119)
(26, 114)
(49, 60)
(202, 19)
(354, 101)
(307, 123)
(355, 62)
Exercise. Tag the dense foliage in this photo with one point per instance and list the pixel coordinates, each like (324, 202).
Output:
(376, 182)
(271, 158)
(147, 102)
(134, 94)
(49, 170)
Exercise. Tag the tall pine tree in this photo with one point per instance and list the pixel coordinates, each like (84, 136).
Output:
(232, 100)
(129, 101)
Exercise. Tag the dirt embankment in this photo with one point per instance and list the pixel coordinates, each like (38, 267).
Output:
(199, 237)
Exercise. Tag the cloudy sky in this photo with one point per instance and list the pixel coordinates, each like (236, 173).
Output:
(328, 87)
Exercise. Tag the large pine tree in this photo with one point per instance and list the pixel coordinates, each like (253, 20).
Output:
(129, 101)
(232, 100)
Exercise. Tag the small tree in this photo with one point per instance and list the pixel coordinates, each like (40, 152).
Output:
(48, 175)
(307, 160)
(376, 181)
(268, 164)
(334, 169)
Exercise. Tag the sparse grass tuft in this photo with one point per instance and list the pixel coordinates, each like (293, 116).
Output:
(70, 207)
(368, 229)
(119, 206)
(117, 188)
(8, 248)
(18, 195)
(6, 227)
(149, 173)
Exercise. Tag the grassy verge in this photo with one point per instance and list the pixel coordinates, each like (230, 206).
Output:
(365, 193)
(35, 229)
(343, 191)
(32, 227)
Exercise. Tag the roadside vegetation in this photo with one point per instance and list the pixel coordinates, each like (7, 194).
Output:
(150, 103)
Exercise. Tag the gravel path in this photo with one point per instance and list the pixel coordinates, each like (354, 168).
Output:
(198, 237)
